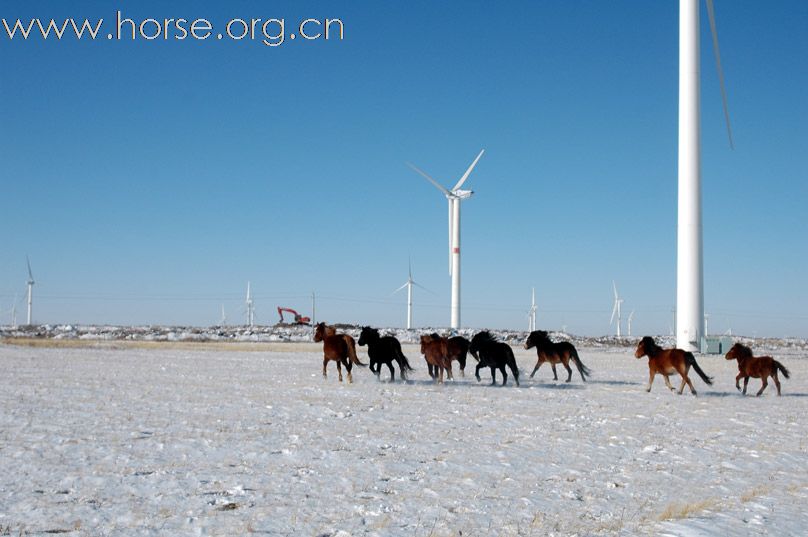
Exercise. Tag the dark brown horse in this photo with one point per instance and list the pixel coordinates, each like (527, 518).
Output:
(760, 367)
(667, 362)
(436, 353)
(338, 347)
(555, 353)
(457, 348)
(383, 350)
(493, 354)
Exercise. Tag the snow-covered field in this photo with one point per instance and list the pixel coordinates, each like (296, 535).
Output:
(100, 441)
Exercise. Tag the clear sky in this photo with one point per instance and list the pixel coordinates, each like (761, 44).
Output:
(148, 181)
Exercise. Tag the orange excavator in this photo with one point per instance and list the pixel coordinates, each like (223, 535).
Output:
(299, 319)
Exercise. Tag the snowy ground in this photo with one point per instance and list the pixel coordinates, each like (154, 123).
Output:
(171, 441)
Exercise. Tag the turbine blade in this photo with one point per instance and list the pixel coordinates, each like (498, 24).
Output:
(409, 266)
(428, 178)
(614, 286)
(400, 288)
(30, 275)
(468, 172)
(424, 288)
(717, 51)
(614, 310)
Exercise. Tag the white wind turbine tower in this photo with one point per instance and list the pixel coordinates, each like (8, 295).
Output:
(250, 307)
(223, 322)
(30, 288)
(689, 264)
(616, 310)
(455, 196)
(408, 284)
(630, 317)
(531, 315)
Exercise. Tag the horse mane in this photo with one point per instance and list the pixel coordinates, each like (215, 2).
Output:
(435, 336)
(483, 337)
(649, 344)
(370, 330)
(742, 350)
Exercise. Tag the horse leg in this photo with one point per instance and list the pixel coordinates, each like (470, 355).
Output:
(569, 371)
(462, 362)
(477, 372)
(765, 381)
(668, 382)
(325, 363)
(555, 375)
(776, 381)
(690, 383)
(538, 364)
(339, 369)
(493, 376)
(651, 376)
(392, 371)
(349, 366)
(504, 374)
(449, 370)
(745, 383)
(738, 381)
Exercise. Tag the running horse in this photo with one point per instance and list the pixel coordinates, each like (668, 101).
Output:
(383, 350)
(457, 348)
(555, 353)
(760, 367)
(436, 353)
(340, 348)
(667, 362)
(493, 354)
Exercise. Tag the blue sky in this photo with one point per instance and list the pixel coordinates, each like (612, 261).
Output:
(149, 181)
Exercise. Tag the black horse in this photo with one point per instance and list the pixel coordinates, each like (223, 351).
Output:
(494, 354)
(383, 350)
(555, 353)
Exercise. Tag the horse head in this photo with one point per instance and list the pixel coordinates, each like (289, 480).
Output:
(368, 335)
(645, 347)
(536, 337)
(319, 332)
(738, 351)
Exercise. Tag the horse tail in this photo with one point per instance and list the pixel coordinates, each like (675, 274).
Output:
(782, 369)
(582, 369)
(691, 361)
(351, 344)
(403, 363)
(512, 363)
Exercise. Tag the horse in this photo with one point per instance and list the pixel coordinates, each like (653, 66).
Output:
(338, 347)
(667, 362)
(457, 348)
(493, 354)
(760, 367)
(383, 350)
(435, 351)
(555, 353)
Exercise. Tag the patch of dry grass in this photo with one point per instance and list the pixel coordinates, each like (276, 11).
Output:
(677, 510)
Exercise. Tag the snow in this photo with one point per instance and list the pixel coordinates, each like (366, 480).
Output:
(172, 441)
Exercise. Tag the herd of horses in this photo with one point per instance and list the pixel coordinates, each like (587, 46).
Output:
(439, 353)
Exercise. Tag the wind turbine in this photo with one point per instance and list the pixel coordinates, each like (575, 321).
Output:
(454, 196)
(30, 288)
(689, 262)
(630, 317)
(408, 284)
(223, 322)
(616, 310)
(531, 314)
(250, 307)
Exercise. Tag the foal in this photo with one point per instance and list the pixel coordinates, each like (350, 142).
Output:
(761, 367)
(667, 362)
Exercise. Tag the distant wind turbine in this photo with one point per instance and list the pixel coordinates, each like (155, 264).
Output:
(531, 314)
(223, 321)
(30, 289)
(689, 263)
(616, 310)
(250, 307)
(630, 317)
(408, 284)
(455, 196)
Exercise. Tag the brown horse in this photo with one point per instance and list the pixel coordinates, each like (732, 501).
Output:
(760, 367)
(555, 353)
(667, 362)
(436, 352)
(338, 347)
